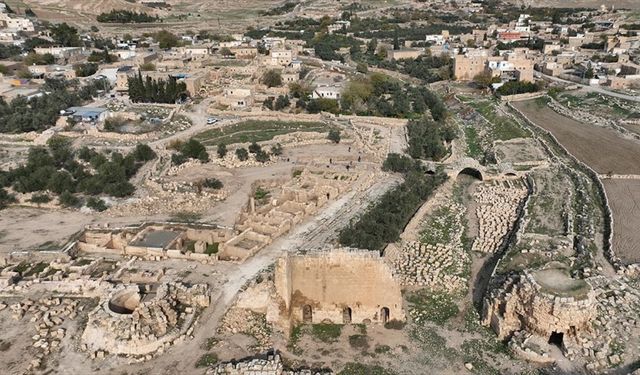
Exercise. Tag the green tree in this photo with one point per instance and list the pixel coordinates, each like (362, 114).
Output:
(276, 149)
(166, 39)
(334, 135)
(194, 150)
(144, 153)
(282, 102)
(96, 204)
(254, 148)
(272, 78)
(67, 199)
(222, 150)
(242, 154)
(262, 156)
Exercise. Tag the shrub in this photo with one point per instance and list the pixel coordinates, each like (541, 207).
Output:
(222, 150)
(40, 198)
(96, 204)
(254, 148)
(394, 324)
(276, 149)
(143, 152)
(272, 78)
(194, 150)
(207, 360)
(326, 332)
(334, 135)
(399, 163)
(177, 159)
(262, 156)
(359, 341)
(212, 183)
(68, 200)
(242, 154)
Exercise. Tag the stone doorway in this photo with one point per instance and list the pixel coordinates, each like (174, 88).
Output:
(557, 339)
(346, 315)
(384, 315)
(307, 314)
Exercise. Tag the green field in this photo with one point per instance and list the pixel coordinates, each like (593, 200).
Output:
(502, 127)
(256, 131)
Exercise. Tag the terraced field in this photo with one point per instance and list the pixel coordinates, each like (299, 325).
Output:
(256, 131)
(624, 198)
(600, 148)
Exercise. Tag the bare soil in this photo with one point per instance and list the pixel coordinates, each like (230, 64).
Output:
(624, 198)
(601, 149)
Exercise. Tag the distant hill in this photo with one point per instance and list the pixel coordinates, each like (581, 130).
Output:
(628, 4)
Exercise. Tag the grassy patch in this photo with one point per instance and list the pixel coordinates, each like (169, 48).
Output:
(439, 228)
(431, 307)
(479, 351)
(502, 127)
(382, 349)
(353, 368)
(360, 342)
(256, 131)
(474, 150)
(185, 217)
(434, 346)
(212, 248)
(326, 332)
(207, 360)
(36, 269)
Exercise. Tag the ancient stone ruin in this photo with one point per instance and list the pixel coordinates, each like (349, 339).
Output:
(547, 303)
(340, 286)
(135, 320)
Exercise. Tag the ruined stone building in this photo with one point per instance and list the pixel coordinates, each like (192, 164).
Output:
(546, 303)
(341, 286)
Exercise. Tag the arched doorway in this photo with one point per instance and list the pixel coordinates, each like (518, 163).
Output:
(384, 315)
(557, 339)
(307, 314)
(471, 172)
(346, 315)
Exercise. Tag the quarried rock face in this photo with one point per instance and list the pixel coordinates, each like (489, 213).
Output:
(546, 303)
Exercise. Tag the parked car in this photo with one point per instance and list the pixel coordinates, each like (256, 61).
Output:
(211, 120)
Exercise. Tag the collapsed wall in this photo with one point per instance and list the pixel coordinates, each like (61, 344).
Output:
(340, 286)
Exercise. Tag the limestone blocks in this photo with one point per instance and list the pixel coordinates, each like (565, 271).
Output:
(436, 266)
(497, 211)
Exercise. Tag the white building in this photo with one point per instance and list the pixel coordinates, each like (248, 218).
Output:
(22, 24)
(327, 92)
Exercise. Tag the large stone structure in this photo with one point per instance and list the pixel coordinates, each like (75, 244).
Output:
(340, 286)
(135, 322)
(546, 303)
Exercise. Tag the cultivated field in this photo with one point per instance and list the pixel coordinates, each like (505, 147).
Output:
(624, 198)
(602, 149)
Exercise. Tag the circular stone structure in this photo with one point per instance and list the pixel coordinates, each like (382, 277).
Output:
(125, 302)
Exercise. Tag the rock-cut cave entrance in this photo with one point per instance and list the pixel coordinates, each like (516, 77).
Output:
(556, 339)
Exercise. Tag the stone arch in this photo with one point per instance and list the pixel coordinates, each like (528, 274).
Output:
(307, 314)
(346, 315)
(470, 171)
(384, 315)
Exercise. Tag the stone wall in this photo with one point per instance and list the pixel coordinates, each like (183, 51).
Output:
(329, 283)
(521, 303)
